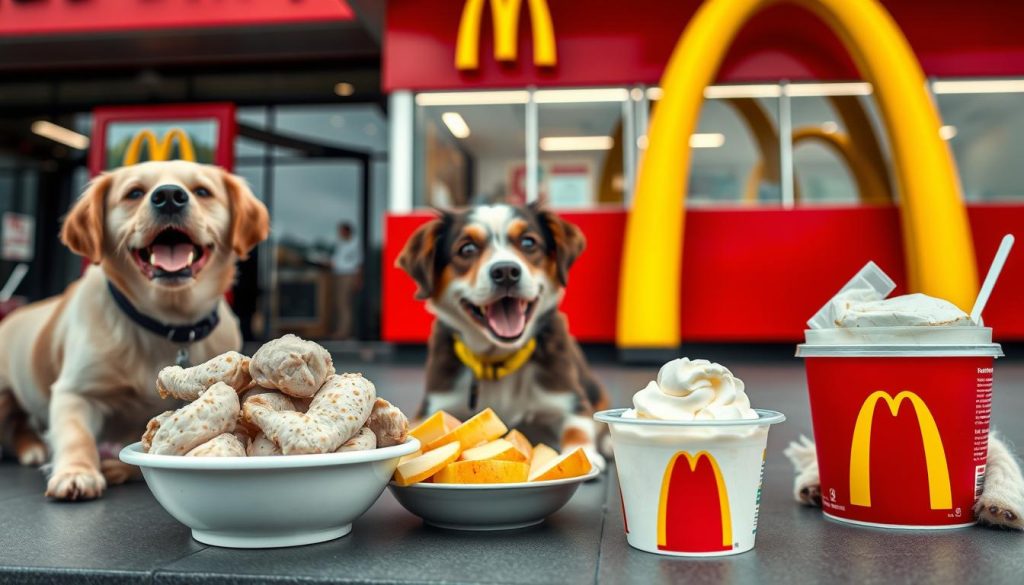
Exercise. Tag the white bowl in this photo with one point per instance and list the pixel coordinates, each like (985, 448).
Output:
(265, 502)
(488, 506)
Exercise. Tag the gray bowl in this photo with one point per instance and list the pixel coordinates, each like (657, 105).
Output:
(495, 506)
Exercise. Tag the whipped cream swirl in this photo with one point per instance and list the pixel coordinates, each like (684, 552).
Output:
(693, 390)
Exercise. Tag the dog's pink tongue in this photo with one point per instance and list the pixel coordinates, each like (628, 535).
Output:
(171, 258)
(507, 317)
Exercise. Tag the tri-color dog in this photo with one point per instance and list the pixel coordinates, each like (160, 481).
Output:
(494, 276)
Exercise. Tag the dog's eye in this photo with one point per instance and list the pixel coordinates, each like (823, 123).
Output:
(136, 193)
(528, 243)
(202, 192)
(468, 249)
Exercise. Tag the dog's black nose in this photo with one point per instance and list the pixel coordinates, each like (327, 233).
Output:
(169, 199)
(506, 273)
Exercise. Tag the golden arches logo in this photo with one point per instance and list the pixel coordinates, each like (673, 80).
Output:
(159, 149)
(723, 514)
(505, 19)
(939, 489)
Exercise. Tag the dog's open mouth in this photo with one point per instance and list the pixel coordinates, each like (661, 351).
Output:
(505, 318)
(172, 254)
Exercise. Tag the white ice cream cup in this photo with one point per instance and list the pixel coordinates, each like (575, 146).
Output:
(690, 488)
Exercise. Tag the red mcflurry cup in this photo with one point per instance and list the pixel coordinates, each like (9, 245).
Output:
(901, 422)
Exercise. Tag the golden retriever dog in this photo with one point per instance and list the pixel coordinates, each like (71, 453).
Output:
(163, 239)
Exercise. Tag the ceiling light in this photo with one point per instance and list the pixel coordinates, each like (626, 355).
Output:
(828, 89)
(710, 140)
(742, 91)
(727, 91)
(947, 132)
(456, 124)
(344, 89)
(566, 143)
(60, 134)
(979, 86)
(472, 98)
(566, 96)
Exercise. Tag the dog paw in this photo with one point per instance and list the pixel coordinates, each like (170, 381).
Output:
(76, 483)
(998, 513)
(32, 455)
(802, 453)
(807, 487)
(809, 495)
(116, 472)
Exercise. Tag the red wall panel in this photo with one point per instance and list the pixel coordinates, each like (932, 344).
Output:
(612, 42)
(748, 274)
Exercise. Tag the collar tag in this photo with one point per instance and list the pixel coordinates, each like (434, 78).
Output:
(182, 358)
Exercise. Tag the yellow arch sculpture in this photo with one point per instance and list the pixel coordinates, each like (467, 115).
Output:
(938, 248)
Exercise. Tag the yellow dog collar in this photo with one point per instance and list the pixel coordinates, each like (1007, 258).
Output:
(493, 369)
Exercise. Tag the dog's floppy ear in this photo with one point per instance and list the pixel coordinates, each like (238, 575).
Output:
(250, 222)
(565, 241)
(82, 231)
(419, 256)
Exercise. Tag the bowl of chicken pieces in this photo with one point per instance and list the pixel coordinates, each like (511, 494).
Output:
(271, 451)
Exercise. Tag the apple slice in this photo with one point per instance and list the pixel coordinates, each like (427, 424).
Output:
(542, 455)
(426, 465)
(572, 464)
(484, 426)
(487, 471)
(522, 443)
(499, 449)
(450, 422)
(432, 428)
(409, 457)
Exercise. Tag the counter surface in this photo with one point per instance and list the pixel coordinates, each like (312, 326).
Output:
(126, 537)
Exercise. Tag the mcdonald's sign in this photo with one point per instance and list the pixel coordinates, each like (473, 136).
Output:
(939, 487)
(200, 132)
(505, 19)
(159, 149)
(693, 512)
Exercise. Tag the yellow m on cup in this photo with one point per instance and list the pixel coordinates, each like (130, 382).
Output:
(939, 490)
(684, 477)
(159, 150)
(505, 17)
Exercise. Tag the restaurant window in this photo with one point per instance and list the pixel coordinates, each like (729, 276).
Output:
(582, 138)
(839, 145)
(983, 122)
(470, 148)
(307, 164)
(735, 148)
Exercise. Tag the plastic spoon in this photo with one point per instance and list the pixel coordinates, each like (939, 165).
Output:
(991, 277)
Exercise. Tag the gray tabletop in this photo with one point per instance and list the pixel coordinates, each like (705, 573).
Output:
(127, 537)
